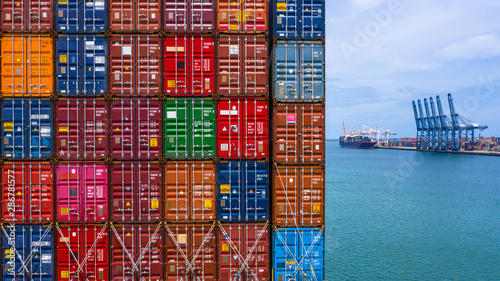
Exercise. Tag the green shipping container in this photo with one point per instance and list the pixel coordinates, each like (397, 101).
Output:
(189, 128)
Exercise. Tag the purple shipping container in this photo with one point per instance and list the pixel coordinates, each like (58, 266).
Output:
(82, 192)
(189, 15)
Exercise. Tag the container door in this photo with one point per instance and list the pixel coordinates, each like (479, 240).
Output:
(69, 196)
(14, 128)
(40, 200)
(13, 15)
(121, 64)
(203, 252)
(176, 65)
(256, 189)
(149, 192)
(229, 59)
(231, 183)
(95, 192)
(121, 15)
(313, 19)
(14, 180)
(202, 206)
(122, 192)
(176, 128)
(13, 65)
(287, 132)
(93, 16)
(202, 128)
(94, 65)
(229, 130)
(148, 129)
(255, 126)
(149, 253)
(257, 252)
(285, 193)
(68, 15)
(312, 196)
(312, 67)
(253, 16)
(95, 129)
(229, 258)
(255, 66)
(286, 255)
(176, 15)
(178, 186)
(202, 15)
(123, 252)
(39, 75)
(39, 119)
(178, 253)
(39, 15)
(201, 66)
(313, 134)
(148, 60)
(122, 128)
(229, 14)
(312, 253)
(286, 19)
(286, 71)
(148, 15)
(69, 65)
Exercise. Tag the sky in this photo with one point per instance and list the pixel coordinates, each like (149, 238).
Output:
(383, 54)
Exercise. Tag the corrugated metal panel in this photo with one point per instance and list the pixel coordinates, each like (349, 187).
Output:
(299, 71)
(298, 254)
(298, 196)
(27, 192)
(134, 15)
(191, 252)
(242, 128)
(26, 129)
(135, 129)
(244, 252)
(189, 65)
(82, 253)
(26, 15)
(81, 65)
(33, 258)
(81, 129)
(27, 65)
(81, 16)
(299, 133)
(134, 65)
(189, 128)
(242, 16)
(136, 192)
(299, 19)
(189, 15)
(82, 192)
(190, 191)
(137, 253)
(242, 65)
(243, 191)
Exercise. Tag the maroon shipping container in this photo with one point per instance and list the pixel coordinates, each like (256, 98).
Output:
(82, 192)
(242, 130)
(135, 192)
(191, 252)
(134, 15)
(135, 129)
(27, 192)
(243, 16)
(136, 253)
(26, 15)
(189, 16)
(299, 133)
(298, 196)
(189, 65)
(135, 65)
(190, 194)
(244, 252)
(81, 129)
(242, 65)
(82, 252)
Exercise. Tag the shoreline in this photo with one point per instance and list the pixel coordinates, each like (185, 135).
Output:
(482, 153)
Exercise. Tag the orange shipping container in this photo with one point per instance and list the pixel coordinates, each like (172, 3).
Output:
(27, 65)
(242, 16)
(298, 196)
(189, 191)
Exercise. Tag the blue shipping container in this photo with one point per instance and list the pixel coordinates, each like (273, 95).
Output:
(81, 16)
(26, 129)
(298, 254)
(81, 65)
(28, 253)
(243, 191)
(299, 71)
(299, 19)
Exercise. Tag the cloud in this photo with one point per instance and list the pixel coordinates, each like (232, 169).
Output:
(482, 46)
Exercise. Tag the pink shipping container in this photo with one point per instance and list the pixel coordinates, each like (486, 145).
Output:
(189, 16)
(135, 191)
(81, 129)
(134, 15)
(82, 192)
(26, 15)
(244, 252)
(243, 128)
(135, 129)
(137, 253)
(135, 65)
(27, 192)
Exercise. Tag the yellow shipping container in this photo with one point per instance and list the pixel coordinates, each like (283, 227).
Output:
(27, 65)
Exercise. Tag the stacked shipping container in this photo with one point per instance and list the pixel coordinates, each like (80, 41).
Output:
(144, 139)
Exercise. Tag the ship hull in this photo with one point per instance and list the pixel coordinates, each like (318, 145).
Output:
(364, 145)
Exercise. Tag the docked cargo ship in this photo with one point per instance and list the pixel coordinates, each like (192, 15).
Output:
(357, 142)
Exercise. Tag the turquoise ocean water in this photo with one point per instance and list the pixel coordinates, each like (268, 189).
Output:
(406, 215)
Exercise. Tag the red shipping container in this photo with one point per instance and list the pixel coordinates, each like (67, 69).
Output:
(190, 191)
(242, 130)
(82, 192)
(189, 16)
(27, 192)
(242, 16)
(135, 65)
(137, 253)
(191, 252)
(81, 129)
(136, 15)
(135, 129)
(298, 196)
(135, 192)
(26, 15)
(242, 65)
(299, 133)
(244, 252)
(82, 252)
(189, 65)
